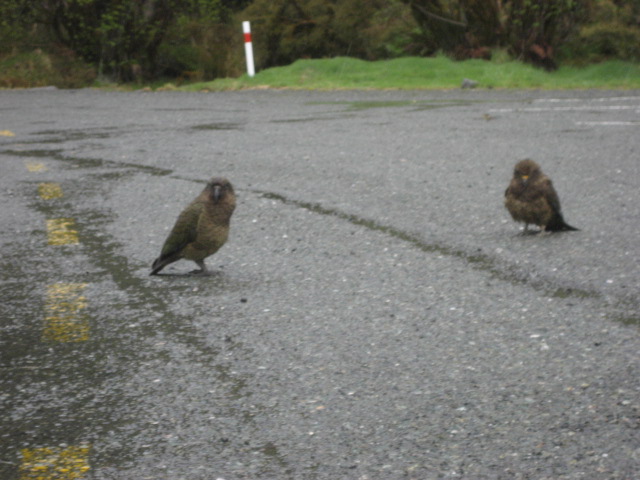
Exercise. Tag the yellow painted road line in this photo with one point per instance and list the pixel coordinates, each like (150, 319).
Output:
(55, 463)
(7, 133)
(36, 166)
(64, 317)
(62, 231)
(49, 190)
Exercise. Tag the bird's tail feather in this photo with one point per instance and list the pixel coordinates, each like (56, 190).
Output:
(557, 224)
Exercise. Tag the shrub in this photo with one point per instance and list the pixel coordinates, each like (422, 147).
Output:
(197, 50)
(36, 68)
(288, 30)
(603, 41)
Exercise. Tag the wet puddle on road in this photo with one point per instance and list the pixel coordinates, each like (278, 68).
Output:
(414, 105)
(351, 107)
(62, 136)
(117, 168)
(218, 126)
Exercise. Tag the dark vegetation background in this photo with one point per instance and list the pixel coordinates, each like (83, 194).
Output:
(73, 43)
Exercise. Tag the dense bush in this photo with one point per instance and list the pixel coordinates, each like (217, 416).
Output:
(198, 50)
(142, 40)
(20, 27)
(608, 40)
(612, 31)
(120, 36)
(529, 29)
(128, 39)
(286, 30)
(60, 67)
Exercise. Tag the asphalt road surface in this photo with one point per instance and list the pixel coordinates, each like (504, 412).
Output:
(376, 314)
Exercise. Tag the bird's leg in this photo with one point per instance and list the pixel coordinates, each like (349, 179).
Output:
(203, 268)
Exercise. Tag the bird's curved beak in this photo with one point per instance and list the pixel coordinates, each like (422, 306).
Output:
(217, 192)
(525, 178)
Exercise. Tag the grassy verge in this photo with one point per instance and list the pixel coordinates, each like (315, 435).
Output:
(61, 69)
(428, 73)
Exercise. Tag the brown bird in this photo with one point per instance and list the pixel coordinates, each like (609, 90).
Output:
(202, 227)
(531, 198)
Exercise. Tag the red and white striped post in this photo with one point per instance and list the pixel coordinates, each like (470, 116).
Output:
(248, 48)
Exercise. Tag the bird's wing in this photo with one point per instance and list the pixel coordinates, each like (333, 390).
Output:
(550, 195)
(184, 231)
(507, 191)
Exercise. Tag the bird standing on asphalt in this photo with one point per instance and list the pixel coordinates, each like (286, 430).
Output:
(531, 198)
(202, 227)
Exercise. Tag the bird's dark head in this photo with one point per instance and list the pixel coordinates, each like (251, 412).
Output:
(219, 188)
(526, 170)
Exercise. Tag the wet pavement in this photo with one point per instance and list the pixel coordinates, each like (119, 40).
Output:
(375, 314)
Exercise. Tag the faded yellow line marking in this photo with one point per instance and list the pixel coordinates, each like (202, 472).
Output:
(7, 133)
(36, 166)
(54, 463)
(62, 231)
(49, 190)
(64, 319)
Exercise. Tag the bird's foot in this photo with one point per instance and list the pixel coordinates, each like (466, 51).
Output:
(200, 273)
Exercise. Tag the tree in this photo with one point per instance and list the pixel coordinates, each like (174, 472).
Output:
(611, 30)
(16, 18)
(538, 27)
(115, 34)
(529, 29)
(129, 39)
(201, 41)
(286, 30)
(124, 36)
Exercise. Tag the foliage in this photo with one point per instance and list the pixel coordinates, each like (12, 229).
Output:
(613, 31)
(193, 40)
(115, 34)
(39, 69)
(530, 29)
(126, 39)
(286, 30)
(194, 50)
(608, 40)
(17, 18)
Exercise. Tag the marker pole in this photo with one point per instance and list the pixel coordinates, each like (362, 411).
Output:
(248, 48)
